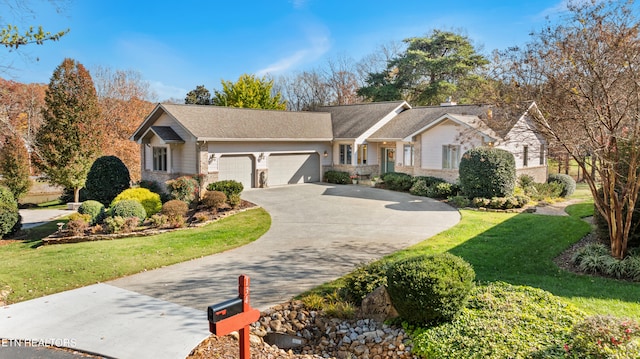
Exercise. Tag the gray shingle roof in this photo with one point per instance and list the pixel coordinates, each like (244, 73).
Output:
(167, 134)
(228, 123)
(351, 121)
(410, 121)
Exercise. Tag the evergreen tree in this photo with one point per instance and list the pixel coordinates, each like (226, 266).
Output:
(69, 140)
(198, 96)
(431, 69)
(249, 92)
(14, 166)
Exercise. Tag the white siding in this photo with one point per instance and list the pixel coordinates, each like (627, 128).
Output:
(184, 156)
(522, 134)
(446, 133)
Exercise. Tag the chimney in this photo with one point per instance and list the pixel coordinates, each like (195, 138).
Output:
(448, 103)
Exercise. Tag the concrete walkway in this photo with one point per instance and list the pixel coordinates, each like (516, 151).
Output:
(319, 232)
(35, 217)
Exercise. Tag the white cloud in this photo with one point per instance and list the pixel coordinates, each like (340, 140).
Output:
(319, 44)
(298, 4)
(561, 7)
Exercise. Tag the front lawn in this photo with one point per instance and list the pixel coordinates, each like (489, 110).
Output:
(32, 271)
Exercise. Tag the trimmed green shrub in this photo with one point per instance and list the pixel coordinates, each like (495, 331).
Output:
(93, 208)
(213, 200)
(459, 201)
(364, 280)
(158, 220)
(428, 180)
(337, 177)
(525, 181)
(127, 208)
(107, 177)
(419, 188)
(9, 217)
(234, 200)
(119, 224)
(184, 188)
(430, 289)
(397, 181)
(156, 187)
(605, 336)
(487, 172)
(228, 187)
(442, 190)
(150, 201)
(502, 321)
(568, 183)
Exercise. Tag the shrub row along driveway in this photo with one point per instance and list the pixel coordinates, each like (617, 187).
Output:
(319, 232)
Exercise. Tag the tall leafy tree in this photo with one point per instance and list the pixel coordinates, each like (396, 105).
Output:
(123, 106)
(584, 73)
(432, 68)
(14, 166)
(198, 96)
(249, 92)
(69, 140)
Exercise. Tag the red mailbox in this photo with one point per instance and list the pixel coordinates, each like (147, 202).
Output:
(234, 314)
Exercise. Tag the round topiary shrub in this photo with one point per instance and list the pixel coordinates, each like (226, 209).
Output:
(430, 289)
(128, 208)
(150, 201)
(175, 208)
(213, 199)
(487, 172)
(93, 208)
(107, 177)
(364, 280)
(567, 182)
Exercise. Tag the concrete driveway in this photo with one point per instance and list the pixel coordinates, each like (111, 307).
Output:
(319, 232)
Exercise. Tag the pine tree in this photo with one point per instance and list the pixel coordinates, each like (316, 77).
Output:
(14, 166)
(69, 140)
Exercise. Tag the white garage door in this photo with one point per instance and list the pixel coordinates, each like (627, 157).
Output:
(293, 168)
(237, 168)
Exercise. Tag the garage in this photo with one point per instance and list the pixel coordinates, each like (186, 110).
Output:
(293, 168)
(237, 168)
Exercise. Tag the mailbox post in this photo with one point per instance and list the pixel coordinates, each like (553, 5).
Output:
(234, 314)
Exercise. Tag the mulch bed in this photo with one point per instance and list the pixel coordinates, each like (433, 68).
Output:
(195, 217)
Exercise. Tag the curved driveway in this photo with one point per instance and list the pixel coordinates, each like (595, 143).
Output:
(319, 232)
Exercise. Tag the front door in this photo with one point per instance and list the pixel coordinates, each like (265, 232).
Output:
(388, 159)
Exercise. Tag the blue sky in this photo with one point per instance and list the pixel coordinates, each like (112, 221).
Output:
(177, 45)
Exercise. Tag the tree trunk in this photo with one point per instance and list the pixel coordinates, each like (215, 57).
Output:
(76, 194)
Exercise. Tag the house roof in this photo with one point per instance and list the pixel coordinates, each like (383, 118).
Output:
(167, 134)
(208, 123)
(484, 118)
(352, 121)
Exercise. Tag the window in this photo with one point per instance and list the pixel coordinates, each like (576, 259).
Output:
(525, 156)
(408, 155)
(345, 154)
(450, 156)
(542, 154)
(362, 155)
(160, 159)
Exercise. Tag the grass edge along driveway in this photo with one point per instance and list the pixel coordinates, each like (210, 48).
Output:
(32, 272)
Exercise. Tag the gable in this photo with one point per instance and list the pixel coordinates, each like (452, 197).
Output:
(360, 120)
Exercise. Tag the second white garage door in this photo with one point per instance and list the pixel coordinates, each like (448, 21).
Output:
(237, 168)
(293, 168)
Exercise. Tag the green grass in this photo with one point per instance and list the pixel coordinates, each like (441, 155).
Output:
(33, 271)
(519, 249)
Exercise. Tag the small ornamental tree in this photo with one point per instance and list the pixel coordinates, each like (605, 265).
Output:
(9, 215)
(487, 172)
(107, 178)
(14, 166)
(68, 141)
